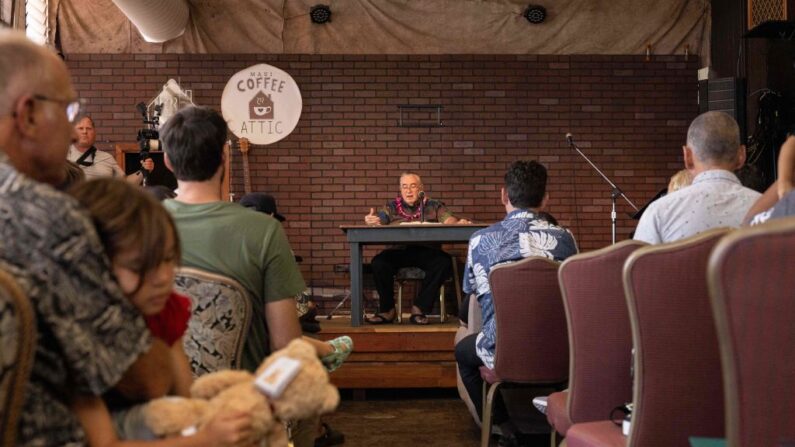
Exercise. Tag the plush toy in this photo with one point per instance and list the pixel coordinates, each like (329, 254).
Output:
(307, 393)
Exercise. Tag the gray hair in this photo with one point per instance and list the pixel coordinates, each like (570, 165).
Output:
(714, 137)
(407, 173)
(22, 63)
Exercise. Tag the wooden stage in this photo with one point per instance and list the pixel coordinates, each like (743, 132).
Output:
(395, 355)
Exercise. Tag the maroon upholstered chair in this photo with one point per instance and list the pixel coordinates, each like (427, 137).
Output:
(532, 344)
(678, 390)
(600, 337)
(752, 281)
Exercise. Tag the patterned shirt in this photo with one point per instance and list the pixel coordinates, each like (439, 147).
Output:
(715, 199)
(88, 332)
(520, 235)
(397, 211)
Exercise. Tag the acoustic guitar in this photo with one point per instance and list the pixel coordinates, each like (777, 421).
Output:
(243, 145)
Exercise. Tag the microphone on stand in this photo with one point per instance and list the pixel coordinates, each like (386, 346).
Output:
(422, 206)
(615, 193)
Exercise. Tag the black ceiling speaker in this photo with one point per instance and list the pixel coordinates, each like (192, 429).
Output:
(320, 14)
(535, 14)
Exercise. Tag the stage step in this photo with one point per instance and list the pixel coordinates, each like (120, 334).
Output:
(395, 355)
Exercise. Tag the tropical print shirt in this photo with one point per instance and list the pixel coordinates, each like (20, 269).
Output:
(397, 211)
(88, 333)
(520, 235)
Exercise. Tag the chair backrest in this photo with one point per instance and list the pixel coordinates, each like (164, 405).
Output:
(678, 389)
(220, 319)
(17, 349)
(752, 281)
(600, 335)
(532, 344)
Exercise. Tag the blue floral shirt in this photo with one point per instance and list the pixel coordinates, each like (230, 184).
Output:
(520, 235)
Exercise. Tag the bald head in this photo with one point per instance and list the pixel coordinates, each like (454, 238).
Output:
(35, 92)
(714, 138)
(24, 67)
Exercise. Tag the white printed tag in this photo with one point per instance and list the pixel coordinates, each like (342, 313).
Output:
(277, 376)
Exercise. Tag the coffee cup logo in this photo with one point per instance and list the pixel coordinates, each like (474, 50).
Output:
(261, 103)
(260, 107)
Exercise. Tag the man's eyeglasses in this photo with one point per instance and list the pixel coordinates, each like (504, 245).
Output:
(73, 106)
(411, 186)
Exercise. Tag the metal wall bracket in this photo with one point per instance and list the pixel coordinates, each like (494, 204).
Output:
(420, 115)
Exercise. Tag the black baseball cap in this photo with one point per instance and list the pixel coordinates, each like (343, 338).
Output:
(261, 202)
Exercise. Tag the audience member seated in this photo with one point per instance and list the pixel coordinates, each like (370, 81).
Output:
(521, 234)
(142, 244)
(96, 163)
(72, 176)
(90, 337)
(307, 310)
(778, 201)
(227, 239)
(715, 198)
(679, 180)
(411, 205)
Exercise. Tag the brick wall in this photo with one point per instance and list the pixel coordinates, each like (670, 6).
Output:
(628, 115)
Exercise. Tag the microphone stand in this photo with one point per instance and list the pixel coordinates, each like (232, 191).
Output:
(614, 194)
(422, 208)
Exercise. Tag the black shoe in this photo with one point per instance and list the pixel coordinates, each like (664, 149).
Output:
(508, 436)
(313, 327)
(505, 441)
(329, 437)
(309, 321)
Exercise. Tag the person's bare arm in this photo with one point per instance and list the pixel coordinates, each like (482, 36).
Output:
(322, 348)
(763, 203)
(372, 218)
(454, 220)
(223, 430)
(282, 321)
(137, 177)
(151, 376)
(786, 167)
(183, 376)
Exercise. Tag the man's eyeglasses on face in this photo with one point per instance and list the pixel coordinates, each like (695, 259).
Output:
(73, 106)
(411, 186)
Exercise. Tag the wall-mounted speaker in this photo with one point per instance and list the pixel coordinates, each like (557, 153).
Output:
(760, 11)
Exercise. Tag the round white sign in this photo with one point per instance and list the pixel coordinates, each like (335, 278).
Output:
(261, 103)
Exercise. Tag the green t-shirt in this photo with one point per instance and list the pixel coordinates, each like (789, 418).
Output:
(246, 245)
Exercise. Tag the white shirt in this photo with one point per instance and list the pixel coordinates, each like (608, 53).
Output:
(715, 199)
(104, 165)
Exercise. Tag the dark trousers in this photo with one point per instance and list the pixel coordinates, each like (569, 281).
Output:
(469, 367)
(436, 264)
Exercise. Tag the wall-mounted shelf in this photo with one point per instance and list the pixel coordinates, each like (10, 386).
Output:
(420, 115)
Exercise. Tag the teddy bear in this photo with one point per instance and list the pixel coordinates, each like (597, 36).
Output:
(307, 394)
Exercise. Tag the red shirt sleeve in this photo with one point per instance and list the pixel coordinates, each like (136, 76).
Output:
(172, 322)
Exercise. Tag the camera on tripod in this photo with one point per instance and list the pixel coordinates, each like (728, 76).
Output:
(149, 137)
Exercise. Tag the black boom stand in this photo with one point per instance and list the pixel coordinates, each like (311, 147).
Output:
(614, 194)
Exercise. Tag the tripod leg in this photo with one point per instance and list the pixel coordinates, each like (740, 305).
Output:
(345, 298)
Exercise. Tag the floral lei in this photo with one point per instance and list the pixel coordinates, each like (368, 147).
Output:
(399, 209)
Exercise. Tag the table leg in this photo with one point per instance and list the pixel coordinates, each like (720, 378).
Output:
(356, 284)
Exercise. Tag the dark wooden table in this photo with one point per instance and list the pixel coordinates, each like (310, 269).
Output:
(359, 235)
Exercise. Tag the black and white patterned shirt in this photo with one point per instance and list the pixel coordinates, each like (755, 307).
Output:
(88, 332)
